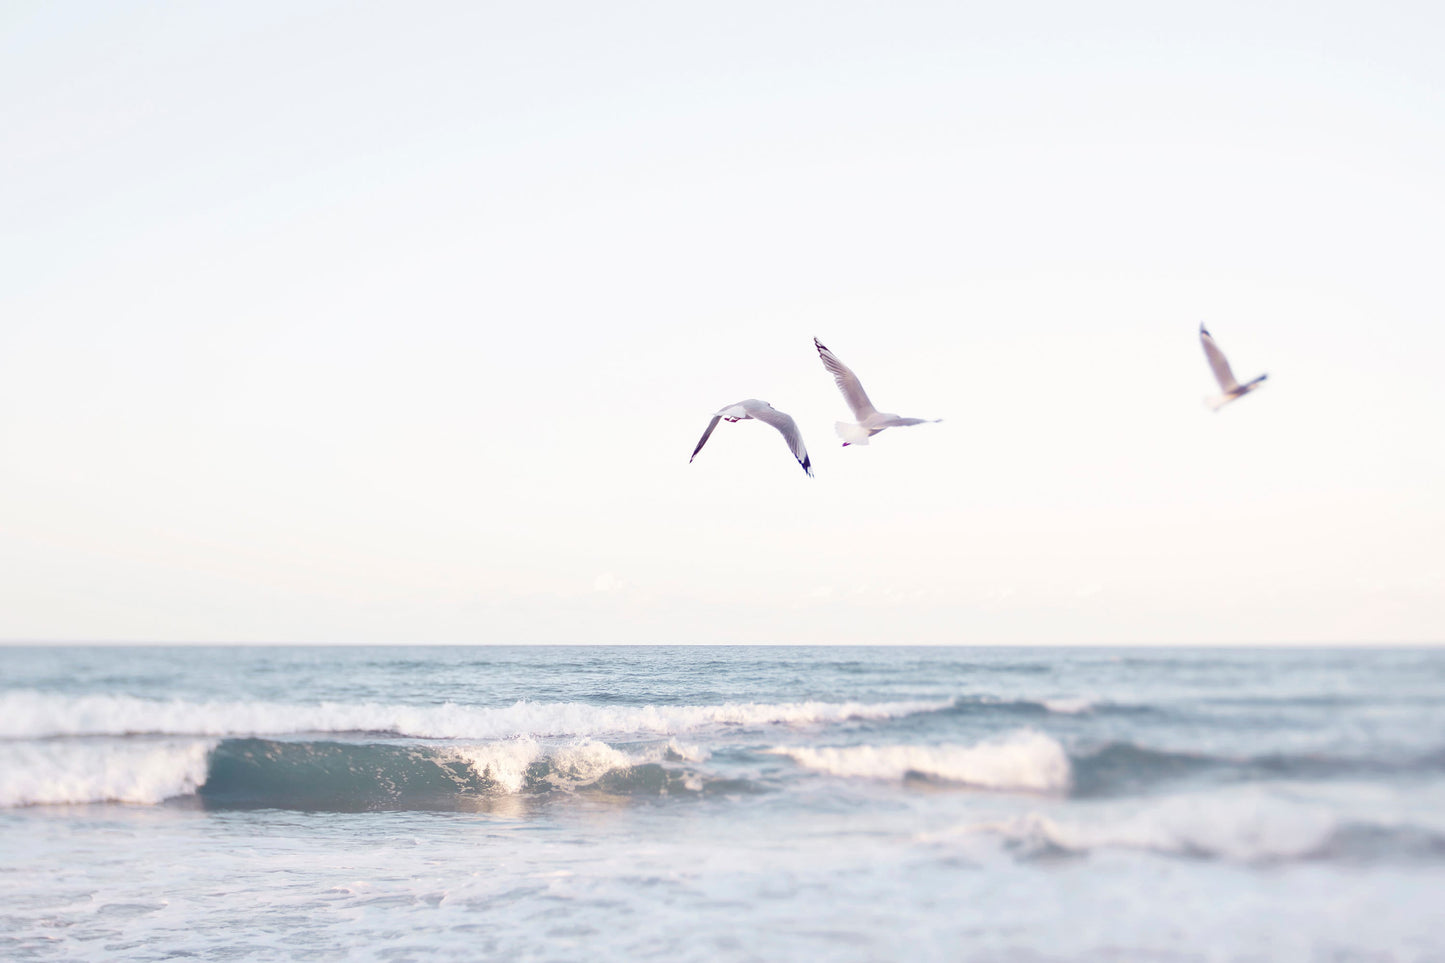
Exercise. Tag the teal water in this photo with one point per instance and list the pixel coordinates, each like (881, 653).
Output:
(721, 802)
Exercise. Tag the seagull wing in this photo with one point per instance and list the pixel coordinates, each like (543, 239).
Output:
(1222, 374)
(848, 383)
(769, 415)
(705, 436)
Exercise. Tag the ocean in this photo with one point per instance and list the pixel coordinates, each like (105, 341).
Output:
(721, 803)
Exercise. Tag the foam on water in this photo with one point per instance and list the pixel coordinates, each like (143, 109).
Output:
(681, 752)
(28, 714)
(508, 764)
(1024, 760)
(1239, 830)
(504, 763)
(253, 772)
(1069, 706)
(147, 770)
(1250, 824)
(918, 804)
(584, 761)
(133, 771)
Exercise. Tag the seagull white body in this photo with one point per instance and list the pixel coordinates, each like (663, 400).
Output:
(752, 408)
(1230, 387)
(870, 419)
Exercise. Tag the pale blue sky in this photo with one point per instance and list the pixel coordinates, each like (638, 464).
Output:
(397, 322)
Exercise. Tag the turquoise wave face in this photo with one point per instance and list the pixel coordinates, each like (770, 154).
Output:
(359, 777)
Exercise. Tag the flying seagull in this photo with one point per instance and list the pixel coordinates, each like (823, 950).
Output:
(1232, 389)
(870, 419)
(768, 415)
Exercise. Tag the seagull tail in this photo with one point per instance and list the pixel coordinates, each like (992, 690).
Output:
(850, 433)
(1215, 402)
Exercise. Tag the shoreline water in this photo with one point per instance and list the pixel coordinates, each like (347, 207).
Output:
(730, 802)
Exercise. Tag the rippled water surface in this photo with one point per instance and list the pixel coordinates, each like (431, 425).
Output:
(721, 803)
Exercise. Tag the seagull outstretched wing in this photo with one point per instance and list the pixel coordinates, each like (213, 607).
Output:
(1217, 362)
(848, 383)
(789, 428)
(705, 436)
(752, 408)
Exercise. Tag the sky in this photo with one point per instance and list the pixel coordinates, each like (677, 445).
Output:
(336, 322)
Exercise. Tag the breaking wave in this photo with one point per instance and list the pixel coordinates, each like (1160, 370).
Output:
(333, 776)
(107, 748)
(1026, 760)
(1029, 760)
(145, 771)
(323, 775)
(1247, 827)
(33, 715)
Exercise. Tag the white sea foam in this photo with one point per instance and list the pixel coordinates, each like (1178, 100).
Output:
(504, 763)
(29, 714)
(585, 761)
(58, 772)
(1245, 826)
(1024, 760)
(150, 770)
(686, 752)
(575, 763)
(1070, 707)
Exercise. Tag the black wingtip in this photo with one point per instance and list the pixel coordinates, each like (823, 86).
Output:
(819, 345)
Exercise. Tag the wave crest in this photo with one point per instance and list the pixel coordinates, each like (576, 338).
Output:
(33, 715)
(1025, 760)
(350, 777)
(143, 771)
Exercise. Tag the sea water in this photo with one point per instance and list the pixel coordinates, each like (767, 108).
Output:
(721, 803)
